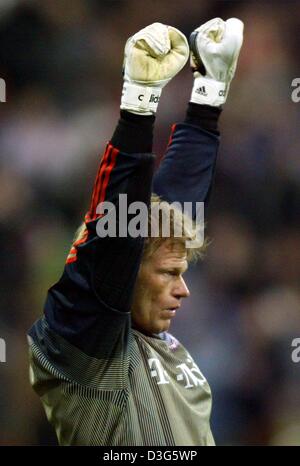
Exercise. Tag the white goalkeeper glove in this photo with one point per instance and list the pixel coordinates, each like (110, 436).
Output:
(215, 48)
(152, 57)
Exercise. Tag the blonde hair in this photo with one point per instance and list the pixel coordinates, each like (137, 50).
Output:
(182, 229)
(179, 222)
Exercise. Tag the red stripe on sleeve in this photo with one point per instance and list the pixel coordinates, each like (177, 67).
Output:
(173, 127)
(98, 182)
(108, 171)
(70, 260)
(100, 186)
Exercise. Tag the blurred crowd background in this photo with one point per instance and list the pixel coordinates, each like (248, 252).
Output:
(62, 60)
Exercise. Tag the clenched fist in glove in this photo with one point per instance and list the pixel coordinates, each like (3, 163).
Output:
(215, 47)
(152, 57)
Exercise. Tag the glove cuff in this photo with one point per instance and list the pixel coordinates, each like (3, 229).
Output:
(207, 91)
(140, 99)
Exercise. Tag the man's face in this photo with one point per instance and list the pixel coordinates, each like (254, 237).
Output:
(160, 288)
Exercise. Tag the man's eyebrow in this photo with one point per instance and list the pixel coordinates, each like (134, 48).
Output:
(176, 268)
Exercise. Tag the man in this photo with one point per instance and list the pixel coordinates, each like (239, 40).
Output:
(102, 361)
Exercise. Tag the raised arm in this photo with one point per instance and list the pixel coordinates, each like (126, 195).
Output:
(89, 307)
(187, 170)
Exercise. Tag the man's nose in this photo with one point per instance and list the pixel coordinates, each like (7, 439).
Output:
(181, 290)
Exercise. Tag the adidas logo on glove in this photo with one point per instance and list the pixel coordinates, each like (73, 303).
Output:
(201, 90)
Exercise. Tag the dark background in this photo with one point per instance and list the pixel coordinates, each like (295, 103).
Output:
(62, 61)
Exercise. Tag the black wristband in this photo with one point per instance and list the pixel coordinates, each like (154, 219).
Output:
(134, 133)
(205, 116)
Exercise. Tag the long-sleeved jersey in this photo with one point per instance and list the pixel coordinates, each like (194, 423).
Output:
(101, 381)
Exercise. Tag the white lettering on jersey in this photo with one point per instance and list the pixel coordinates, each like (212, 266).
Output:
(158, 371)
(191, 375)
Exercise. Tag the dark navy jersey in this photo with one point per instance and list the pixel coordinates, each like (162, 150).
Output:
(100, 380)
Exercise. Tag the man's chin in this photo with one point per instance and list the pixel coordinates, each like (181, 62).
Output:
(162, 326)
(155, 328)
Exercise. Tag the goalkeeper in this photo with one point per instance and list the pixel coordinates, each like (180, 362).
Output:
(101, 358)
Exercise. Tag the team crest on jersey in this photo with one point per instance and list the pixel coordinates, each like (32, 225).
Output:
(173, 343)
